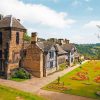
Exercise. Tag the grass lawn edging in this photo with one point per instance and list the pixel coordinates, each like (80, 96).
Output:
(7, 93)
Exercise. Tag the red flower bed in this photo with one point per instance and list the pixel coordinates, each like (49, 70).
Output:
(97, 68)
(80, 76)
(97, 79)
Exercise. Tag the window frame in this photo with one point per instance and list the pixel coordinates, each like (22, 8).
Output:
(17, 37)
(0, 38)
(51, 54)
(51, 64)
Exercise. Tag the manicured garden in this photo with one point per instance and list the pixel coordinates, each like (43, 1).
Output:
(83, 81)
(7, 93)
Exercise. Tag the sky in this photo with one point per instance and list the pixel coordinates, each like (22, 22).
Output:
(75, 20)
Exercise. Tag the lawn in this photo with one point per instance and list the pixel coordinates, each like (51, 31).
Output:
(18, 79)
(7, 93)
(83, 81)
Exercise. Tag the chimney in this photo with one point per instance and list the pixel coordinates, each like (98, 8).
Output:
(18, 20)
(60, 41)
(66, 41)
(33, 37)
(1, 16)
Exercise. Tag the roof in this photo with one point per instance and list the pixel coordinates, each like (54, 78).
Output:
(59, 49)
(46, 46)
(10, 21)
(26, 44)
(68, 47)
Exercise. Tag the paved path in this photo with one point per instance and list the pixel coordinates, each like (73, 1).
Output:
(34, 85)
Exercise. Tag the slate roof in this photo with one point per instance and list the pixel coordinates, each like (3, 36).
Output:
(46, 46)
(68, 47)
(10, 21)
(60, 50)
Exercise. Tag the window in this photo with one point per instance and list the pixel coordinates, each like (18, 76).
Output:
(7, 45)
(0, 53)
(51, 54)
(0, 38)
(71, 59)
(17, 37)
(24, 53)
(51, 64)
(6, 53)
(0, 64)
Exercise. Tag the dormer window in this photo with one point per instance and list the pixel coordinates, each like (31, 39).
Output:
(17, 37)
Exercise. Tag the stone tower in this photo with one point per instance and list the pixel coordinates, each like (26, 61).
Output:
(11, 44)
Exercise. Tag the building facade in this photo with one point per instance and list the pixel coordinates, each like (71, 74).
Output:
(11, 44)
(38, 58)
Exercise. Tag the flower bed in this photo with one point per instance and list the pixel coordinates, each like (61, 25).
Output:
(97, 79)
(80, 76)
(57, 86)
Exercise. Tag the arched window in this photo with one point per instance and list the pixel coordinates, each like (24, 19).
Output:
(17, 37)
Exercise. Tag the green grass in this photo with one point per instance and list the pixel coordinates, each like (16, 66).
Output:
(87, 88)
(18, 79)
(7, 93)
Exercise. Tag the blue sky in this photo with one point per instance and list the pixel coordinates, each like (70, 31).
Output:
(72, 19)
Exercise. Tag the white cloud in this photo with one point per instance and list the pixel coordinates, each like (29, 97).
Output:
(76, 3)
(90, 9)
(55, 1)
(87, 0)
(92, 24)
(35, 13)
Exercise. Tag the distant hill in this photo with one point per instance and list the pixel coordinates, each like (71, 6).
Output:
(88, 50)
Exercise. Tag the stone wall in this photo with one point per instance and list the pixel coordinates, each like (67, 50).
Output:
(33, 62)
(9, 44)
(61, 59)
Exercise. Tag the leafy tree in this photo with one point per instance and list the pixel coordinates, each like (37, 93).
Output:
(98, 53)
(27, 37)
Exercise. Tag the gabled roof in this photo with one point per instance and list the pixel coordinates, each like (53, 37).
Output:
(59, 49)
(10, 21)
(46, 46)
(26, 44)
(68, 47)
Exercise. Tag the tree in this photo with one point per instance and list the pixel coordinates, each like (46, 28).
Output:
(98, 50)
(98, 53)
(27, 37)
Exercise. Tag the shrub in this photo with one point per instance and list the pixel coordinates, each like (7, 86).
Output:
(21, 73)
(62, 66)
(58, 80)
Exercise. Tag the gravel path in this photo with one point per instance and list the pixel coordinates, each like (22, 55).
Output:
(34, 85)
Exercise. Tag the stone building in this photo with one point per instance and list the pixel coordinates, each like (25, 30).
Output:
(43, 58)
(61, 55)
(71, 50)
(11, 44)
(38, 56)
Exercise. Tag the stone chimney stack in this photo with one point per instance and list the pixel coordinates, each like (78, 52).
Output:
(33, 37)
(1, 16)
(18, 20)
(60, 41)
(66, 41)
